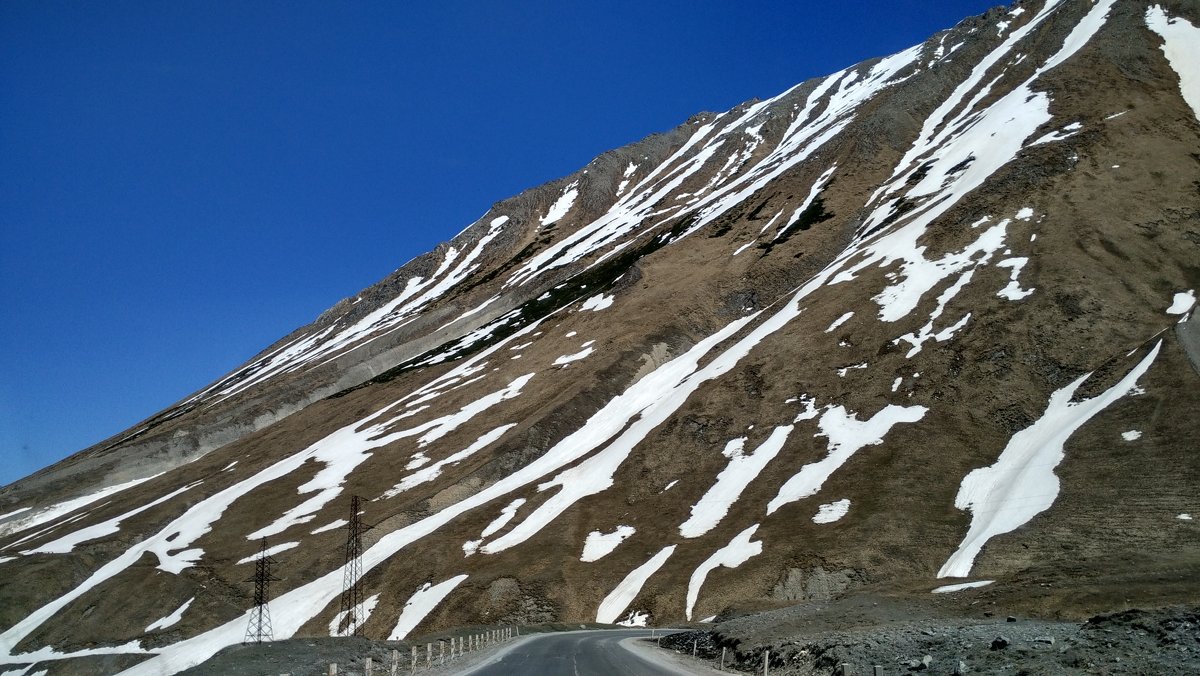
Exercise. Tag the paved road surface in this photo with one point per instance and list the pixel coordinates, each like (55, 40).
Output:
(577, 653)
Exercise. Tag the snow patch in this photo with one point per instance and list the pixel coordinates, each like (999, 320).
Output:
(335, 625)
(1021, 483)
(271, 551)
(421, 604)
(1181, 45)
(737, 475)
(627, 590)
(839, 321)
(1131, 435)
(506, 515)
(843, 371)
(598, 545)
(1013, 290)
(846, 434)
(68, 542)
(597, 303)
(47, 514)
(562, 205)
(739, 550)
(635, 618)
(950, 588)
(171, 619)
(832, 511)
(1183, 301)
(582, 354)
(329, 526)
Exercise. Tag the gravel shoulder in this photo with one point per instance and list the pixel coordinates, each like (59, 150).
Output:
(810, 639)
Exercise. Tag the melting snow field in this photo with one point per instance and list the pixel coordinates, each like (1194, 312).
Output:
(627, 590)
(420, 604)
(1021, 483)
(847, 434)
(831, 512)
(171, 619)
(635, 618)
(335, 625)
(738, 551)
(598, 545)
(597, 303)
(1181, 45)
(949, 588)
(53, 512)
(1182, 303)
(737, 475)
(271, 551)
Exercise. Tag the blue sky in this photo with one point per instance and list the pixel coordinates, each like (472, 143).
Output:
(183, 183)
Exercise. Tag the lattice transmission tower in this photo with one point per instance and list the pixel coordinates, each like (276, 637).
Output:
(259, 627)
(352, 596)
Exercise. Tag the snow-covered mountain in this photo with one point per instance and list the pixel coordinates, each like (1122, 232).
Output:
(928, 320)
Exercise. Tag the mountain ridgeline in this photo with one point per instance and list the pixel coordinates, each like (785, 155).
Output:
(928, 320)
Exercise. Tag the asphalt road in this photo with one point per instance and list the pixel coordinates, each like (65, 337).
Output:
(576, 653)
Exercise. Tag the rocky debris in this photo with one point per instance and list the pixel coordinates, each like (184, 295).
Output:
(1165, 641)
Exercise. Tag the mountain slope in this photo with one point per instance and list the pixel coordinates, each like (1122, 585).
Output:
(927, 317)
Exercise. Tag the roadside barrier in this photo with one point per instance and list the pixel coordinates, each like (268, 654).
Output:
(428, 657)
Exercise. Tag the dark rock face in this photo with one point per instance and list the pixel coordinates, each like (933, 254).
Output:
(907, 322)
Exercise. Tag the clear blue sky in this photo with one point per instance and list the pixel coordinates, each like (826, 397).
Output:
(182, 183)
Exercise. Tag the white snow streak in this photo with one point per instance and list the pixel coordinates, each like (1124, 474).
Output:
(329, 526)
(344, 450)
(738, 551)
(68, 542)
(1014, 291)
(1181, 45)
(506, 515)
(433, 471)
(48, 514)
(846, 434)
(171, 619)
(627, 590)
(582, 354)
(832, 511)
(741, 470)
(421, 604)
(839, 321)
(271, 551)
(562, 205)
(597, 303)
(1021, 483)
(599, 545)
(949, 588)
(335, 625)
(1183, 301)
